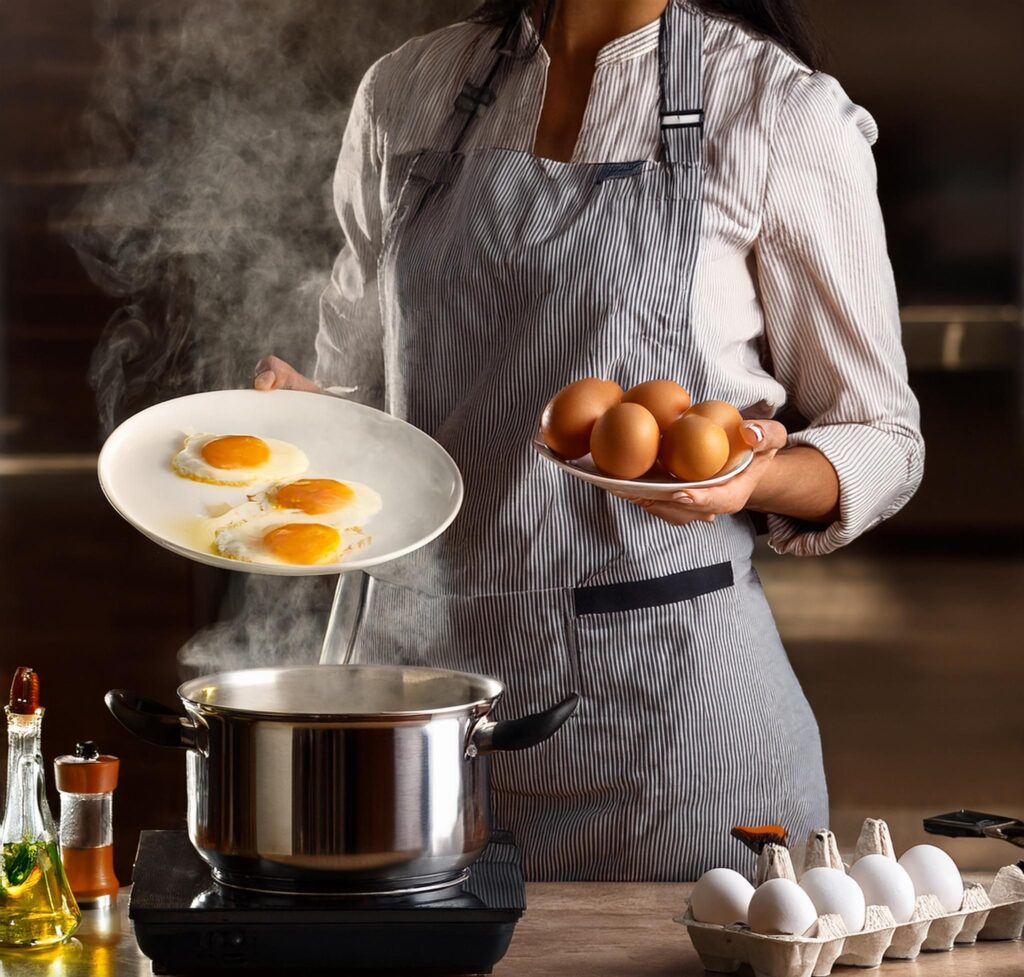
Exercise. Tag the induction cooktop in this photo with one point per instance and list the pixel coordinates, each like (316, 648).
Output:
(186, 923)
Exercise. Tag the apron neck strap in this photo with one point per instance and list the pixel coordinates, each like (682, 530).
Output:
(473, 100)
(681, 62)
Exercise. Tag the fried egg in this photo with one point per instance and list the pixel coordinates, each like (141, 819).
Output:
(343, 504)
(237, 459)
(336, 503)
(300, 521)
(287, 538)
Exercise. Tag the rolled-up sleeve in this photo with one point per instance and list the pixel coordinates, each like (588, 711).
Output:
(349, 348)
(831, 315)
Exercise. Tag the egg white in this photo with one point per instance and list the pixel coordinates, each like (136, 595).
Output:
(285, 461)
(244, 540)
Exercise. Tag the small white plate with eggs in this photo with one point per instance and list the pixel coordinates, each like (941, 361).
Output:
(647, 486)
(329, 483)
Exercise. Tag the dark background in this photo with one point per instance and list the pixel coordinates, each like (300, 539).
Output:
(908, 642)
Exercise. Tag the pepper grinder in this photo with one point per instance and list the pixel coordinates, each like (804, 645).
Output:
(86, 783)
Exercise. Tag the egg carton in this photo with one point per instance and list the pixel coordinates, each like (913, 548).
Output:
(995, 914)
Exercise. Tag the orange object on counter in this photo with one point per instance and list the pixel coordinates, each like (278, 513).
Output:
(86, 782)
(757, 836)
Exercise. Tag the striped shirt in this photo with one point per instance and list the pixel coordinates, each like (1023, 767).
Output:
(794, 295)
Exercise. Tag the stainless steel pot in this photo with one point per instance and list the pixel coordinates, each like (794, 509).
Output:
(338, 778)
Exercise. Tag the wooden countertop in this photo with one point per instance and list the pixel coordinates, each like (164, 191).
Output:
(579, 929)
(602, 929)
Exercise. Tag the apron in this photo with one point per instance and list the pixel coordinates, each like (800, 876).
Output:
(503, 277)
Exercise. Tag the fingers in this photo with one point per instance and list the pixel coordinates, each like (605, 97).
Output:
(272, 373)
(763, 435)
(765, 439)
(679, 515)
(694, 503)
(674, 510)
(730, 497)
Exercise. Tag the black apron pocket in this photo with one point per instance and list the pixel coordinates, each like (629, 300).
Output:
(638, 594)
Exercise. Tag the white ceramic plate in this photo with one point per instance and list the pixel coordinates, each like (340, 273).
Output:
(650, 488)
(418, 481)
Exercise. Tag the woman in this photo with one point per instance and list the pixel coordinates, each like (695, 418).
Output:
(633, 190)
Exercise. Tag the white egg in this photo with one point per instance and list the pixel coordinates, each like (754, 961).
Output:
(884, 882)
(237, 459)
(933, 872)
(781, 906)
(306, 541)
(833, 891)
(721, 896)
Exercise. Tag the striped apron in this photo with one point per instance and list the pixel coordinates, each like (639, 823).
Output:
(502, 277)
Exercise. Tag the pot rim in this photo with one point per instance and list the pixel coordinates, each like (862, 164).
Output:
(187, 694)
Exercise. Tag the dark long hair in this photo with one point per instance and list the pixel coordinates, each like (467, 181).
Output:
(784, 21)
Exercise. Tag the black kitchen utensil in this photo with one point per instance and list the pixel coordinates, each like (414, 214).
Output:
(974, 824)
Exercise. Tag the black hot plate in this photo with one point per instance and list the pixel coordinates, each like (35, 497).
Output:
(186, 923)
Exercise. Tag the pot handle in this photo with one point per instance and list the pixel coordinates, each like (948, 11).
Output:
(150, 720)
(521, 734)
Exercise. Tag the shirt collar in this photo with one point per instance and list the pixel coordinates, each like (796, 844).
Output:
(632, 45)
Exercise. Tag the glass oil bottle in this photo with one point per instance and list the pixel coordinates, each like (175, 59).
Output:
(37, 907)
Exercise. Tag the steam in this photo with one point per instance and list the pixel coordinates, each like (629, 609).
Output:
(214, 131)
(266, 621)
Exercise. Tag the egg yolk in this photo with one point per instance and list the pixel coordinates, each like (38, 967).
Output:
(236, 451)
(314, 495)
(303, 542)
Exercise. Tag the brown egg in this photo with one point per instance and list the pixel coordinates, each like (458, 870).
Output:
(694, 448)
(729, 418)
(665, 399)
(571, 414)
(624, 443)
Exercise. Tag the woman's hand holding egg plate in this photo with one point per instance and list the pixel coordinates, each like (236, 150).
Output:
(646, 442)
